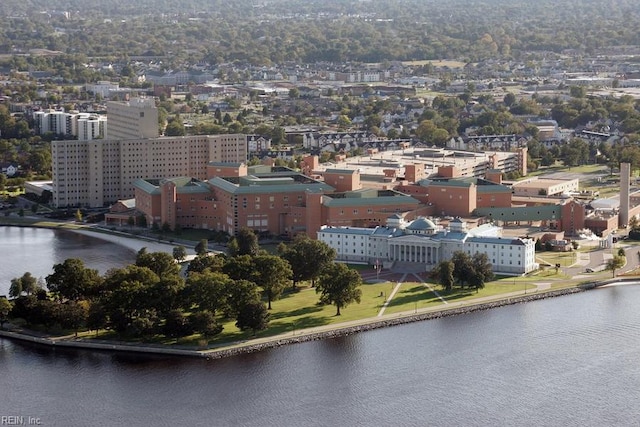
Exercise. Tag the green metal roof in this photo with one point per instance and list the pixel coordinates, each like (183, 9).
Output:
(263, 187)
(345, 171)
(528, 213)
(388, 198)
(184, 185)
(147, 185)
(445, 182)
(493, 189)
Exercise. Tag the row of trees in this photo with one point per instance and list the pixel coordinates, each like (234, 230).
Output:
(463, 269)
(151, 297)
(340, 31)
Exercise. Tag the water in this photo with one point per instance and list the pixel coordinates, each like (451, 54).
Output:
(36, 250)
(570, 361)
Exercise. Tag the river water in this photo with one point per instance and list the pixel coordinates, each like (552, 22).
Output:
(36, 250)
(566, 361)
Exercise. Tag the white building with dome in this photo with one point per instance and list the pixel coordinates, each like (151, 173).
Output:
(422, 244)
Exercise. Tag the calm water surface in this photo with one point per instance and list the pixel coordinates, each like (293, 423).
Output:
(36, 250)
(567, 361)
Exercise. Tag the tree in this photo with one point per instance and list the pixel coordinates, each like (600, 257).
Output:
(247, 243)
(96, 317)
(72, 280)
(27, 284)
(161, 263)
(175, 127)
(205, 323)
(208, 290)
(78, 215)
(444, 274)
(176, 325)
(165, 294)
(240, 268)
(615, 263)
(5, 310)
(202, 247)
(306, 257)
(179, 253)
(206, 262)
(463, 269)
(272, 274)
(126, 298)
(509, 99)
(339, 285)
(239, 294)
(72, 315)
(482, 270)
(253, 316)
(577, 91)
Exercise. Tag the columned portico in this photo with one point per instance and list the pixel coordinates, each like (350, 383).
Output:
(419, 252)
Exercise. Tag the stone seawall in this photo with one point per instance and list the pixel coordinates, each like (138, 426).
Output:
(340, 332)
(233, 350)
(88, 345)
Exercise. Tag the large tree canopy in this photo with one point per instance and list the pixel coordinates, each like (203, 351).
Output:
(72, 280)
(339, 285)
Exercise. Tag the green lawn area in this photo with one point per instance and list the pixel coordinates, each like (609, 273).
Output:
(299, 310)
(413, 295)
(565, 259)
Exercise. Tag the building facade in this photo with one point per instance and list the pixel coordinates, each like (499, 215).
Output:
(274, 200)
(99, 172)
(422, 244)
(134, 119)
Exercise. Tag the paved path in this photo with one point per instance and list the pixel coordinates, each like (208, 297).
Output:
(393, 293)
(421, 280)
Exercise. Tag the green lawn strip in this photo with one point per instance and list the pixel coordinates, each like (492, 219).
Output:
(361, 267)
(412, 295)
(565, 259)
(299, 310)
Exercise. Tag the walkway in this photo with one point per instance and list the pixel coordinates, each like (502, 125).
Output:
(393, 293)
(428, 286)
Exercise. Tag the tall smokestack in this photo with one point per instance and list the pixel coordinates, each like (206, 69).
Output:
(625, 174)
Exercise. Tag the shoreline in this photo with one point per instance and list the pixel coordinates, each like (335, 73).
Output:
(260, 344)
(135, 243)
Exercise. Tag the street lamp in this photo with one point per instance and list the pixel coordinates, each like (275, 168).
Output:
(378, 267)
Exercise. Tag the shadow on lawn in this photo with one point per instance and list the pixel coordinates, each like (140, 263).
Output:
(423, 294)
(412, 295)
(296, 312)
(301, 323)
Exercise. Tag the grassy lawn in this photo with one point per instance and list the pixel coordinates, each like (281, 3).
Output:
(413, 295)
(299, 310)
(565, 259)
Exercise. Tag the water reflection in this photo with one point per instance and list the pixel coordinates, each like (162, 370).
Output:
(37, 250)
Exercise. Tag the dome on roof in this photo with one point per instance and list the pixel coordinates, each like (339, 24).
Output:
(421, 224)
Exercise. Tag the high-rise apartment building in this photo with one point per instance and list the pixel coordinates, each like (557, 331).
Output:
(84, 126)
(99, 172)
(134, 119)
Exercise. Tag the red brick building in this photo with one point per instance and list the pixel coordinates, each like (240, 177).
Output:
(458, 197)
(274, 200)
